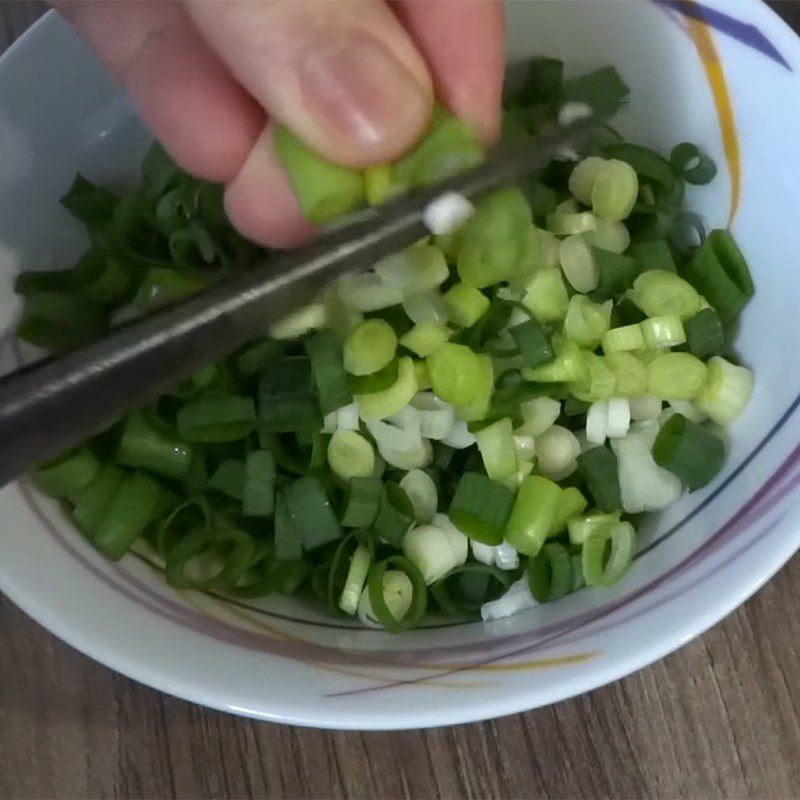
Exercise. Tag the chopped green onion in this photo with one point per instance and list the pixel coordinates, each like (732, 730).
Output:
(350, 455)
(126, 516)
(624, 339)
(597, 381)
(582, 177)
(436, 549)
(568, 365)
(659, 293)
(370, 347)
(361, 503)
(286, 399)
(67, 473)
(689, 451)
(288, 541)
(380, 185)
(663, 331)
(228, 478)
(578, 264)
(298, 323)
(324, 190)
(210, 560)
(602, 90)
(607, 554)
(571, 223)
(654, 254)
(60, 321)
(379, 405)
(581, 528)
(629, 372)
(546, 296)
(571, 503)
(719, 272)
(496, 446)
(463, 590)
(692, 164)
(419, 268)
(356, 578)
(616, 272)
(678, 376)
(465, 304)
(255, 358)
(163, 286)
(645, 162)
(422, 492)
(395, 514)
(310, 513)
(144, 448)
(258, 496)
(425, 338)
(93, 499)
(534, 344)
(726, 392)
(550, 573)
(377, 382)
(611, 237)
(494, 240)
(217, 419)
(454, 372)
(614, 190)
(598, 467)
(586, 322)
(480, 508)
(330, 379)
(389, 600)
(532, 514)
(704, 334)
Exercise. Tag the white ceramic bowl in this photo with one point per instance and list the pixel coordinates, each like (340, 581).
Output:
(722, 75)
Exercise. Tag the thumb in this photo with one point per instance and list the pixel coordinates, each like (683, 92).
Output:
(344, 76)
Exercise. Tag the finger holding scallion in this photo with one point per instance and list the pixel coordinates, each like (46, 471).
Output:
(469, 428)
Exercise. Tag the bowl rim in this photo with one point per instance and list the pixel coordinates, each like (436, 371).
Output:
(78, 635)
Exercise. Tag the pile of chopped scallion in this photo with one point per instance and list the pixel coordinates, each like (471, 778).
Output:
(469, 428)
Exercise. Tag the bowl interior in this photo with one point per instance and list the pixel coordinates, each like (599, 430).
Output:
(693, 77)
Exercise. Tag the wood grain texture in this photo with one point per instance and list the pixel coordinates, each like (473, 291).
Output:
(719, 718)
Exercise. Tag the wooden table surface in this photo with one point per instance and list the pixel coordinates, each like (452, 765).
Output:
(720, 718)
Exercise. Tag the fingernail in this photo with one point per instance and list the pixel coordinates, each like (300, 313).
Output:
(357, 88)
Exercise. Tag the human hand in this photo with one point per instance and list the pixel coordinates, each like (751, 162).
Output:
(355, 79)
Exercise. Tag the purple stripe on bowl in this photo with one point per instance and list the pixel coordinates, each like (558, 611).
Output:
(749, 35)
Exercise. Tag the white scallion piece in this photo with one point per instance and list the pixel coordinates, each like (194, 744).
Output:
(435, 551)
(597, 422)
(619, 418)
(482, 552)
(644, 407)
(688, 409)
(437, 418)
(459, 436)
(368, 292)
(556, 452)
(518, 598)
(538, 415)
(347, 418)
(447, 213)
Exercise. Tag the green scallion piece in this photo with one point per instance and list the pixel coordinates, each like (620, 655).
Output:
(254, 358)
(550, 573)
(617, 272)
(480, 508)
(164, 286)
(127, 516)
(647, 163)
(465, 589)
(361, 503)
(325, 355)
(533, 342)
(210, 560)
(217, 419)
(692, 164)
(287, 402)
(311, 513)
(370, 347)
(324, 190)
(607, 554)
(653, 254)
(532, 514)
(288, 537)
(194, 513)
(92, 501)
(598, 467)
(68, 472)
(704, 334)
(376, 588)
(395, 514)
(603, 90)
(720, 273)
(228, 478)
(60, 321)
(258, 494)
(142, 447)
(688, 450)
